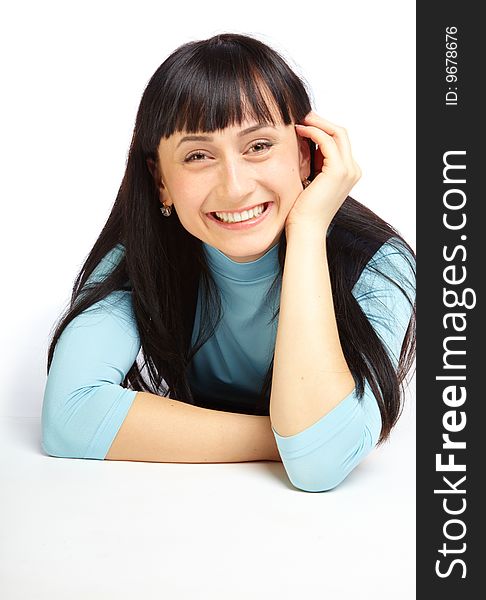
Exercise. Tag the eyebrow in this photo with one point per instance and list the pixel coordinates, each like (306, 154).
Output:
(209, 138)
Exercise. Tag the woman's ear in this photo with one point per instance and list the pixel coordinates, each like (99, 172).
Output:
(153, 170)
(304, 157)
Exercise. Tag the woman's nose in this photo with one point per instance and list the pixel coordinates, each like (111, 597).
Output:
(236, 181)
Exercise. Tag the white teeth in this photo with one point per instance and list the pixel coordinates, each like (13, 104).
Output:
(244, 216)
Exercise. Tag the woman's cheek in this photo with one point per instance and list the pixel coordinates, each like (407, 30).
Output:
(278, 172)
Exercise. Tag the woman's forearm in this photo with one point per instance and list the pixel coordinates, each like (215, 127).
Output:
(161, 429)
(310, 373)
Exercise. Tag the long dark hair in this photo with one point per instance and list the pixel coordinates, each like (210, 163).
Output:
(199, 88)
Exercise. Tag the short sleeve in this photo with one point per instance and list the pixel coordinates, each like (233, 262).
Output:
(84, 401)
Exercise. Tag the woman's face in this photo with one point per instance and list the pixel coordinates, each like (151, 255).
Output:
(227, 172)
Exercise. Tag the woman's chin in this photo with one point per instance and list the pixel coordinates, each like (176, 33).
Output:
(241, 252)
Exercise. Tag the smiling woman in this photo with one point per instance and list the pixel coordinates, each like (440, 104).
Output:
(229, 215)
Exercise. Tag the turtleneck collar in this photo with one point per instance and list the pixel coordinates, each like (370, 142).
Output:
(265, 266)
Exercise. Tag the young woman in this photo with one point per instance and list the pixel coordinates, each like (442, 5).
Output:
(238, 304)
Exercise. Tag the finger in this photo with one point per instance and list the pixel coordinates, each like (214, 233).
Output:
(327, 144)
(330, 128)
(339, 134)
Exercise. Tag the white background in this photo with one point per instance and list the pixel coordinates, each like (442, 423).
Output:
(72, 77)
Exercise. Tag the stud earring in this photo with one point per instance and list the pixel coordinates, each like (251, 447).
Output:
(166, 210)
(306, 182)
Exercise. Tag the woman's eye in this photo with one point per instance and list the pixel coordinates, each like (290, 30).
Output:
(266, 144)
(192, 156)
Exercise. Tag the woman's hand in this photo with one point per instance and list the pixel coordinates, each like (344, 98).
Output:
(337, 172)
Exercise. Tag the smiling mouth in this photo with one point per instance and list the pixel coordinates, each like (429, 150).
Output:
(240, 216)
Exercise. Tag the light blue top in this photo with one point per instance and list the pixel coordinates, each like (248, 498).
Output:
(85, 404)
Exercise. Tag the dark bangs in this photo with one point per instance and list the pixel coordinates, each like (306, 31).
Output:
(208, 86)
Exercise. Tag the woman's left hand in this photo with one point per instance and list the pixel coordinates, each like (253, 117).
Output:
(337, 173)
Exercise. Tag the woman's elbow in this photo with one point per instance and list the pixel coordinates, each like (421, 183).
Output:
(58, 441)
(61, 427)
(320, 477)
(329, 465)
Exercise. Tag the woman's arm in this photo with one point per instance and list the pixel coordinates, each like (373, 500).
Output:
(320, 456)
(160, 429)
(310, 374)
(87, 413)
